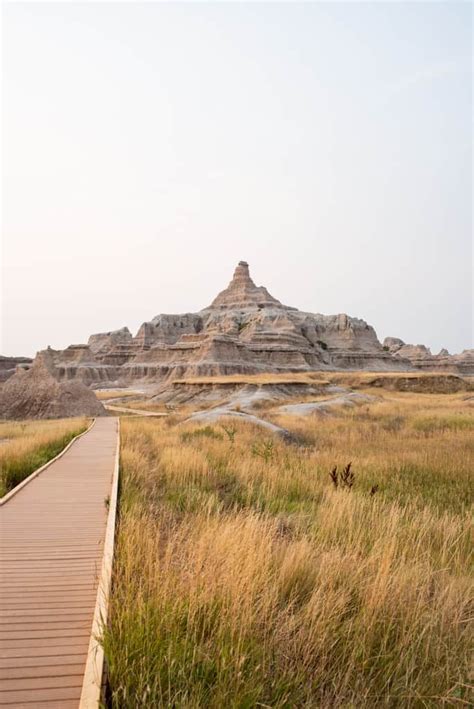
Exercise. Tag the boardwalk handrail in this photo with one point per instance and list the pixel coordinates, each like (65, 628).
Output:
(36, 472)
(92, 683)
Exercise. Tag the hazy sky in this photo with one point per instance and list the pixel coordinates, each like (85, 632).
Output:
(148, 147)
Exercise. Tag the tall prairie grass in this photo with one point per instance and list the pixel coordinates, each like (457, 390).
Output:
(102, 394)
(244, 578)
(26, 446)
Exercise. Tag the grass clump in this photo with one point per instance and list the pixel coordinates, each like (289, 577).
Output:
(29, 445)
(204, 432)
(245, 577)
(435, 424)
(104, 394)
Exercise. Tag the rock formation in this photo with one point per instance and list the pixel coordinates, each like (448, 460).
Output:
(36, 393)
(242, 293)
(422, 358)
(8, 366)
(245, 330)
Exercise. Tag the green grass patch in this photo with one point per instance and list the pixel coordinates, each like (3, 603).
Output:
(437, 424)
(15, 469)
(204, 432)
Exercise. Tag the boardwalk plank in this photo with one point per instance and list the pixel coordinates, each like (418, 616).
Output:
(37, 663)
(17, 698)
(48, 670)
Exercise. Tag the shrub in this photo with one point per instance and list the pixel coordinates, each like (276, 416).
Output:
(344, 479)
(264, 450)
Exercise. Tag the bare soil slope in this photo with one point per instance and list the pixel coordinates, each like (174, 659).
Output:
(37, 394)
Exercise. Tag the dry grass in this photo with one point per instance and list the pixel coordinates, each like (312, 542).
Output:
(363, 376)
(316, 378)
(244, 578)
(147, 406)
(323, 378)
(115, 394)
(27, 445)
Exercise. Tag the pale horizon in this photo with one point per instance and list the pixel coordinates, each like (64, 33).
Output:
(148, 147)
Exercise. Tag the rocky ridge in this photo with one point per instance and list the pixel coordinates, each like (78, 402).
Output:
(8, 366)
(36, 393)
(422, 358)
(245, 330)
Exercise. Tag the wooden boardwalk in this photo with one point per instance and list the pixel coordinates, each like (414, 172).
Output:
(52, 535)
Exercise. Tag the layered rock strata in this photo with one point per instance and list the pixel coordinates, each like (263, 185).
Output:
(422, 358)
(37, 393)
(245, 330)
(8, 366)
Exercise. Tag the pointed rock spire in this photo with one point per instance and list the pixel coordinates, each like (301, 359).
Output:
(243, 293)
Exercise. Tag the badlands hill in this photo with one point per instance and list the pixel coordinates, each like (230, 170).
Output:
(36, 393)
(9, 365)
(422, 358)
(245, 330)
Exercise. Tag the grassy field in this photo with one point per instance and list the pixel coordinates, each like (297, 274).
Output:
(247, 576)
(26, 446)
(426, 380)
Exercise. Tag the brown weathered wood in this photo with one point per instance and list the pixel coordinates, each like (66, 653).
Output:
(51, 555)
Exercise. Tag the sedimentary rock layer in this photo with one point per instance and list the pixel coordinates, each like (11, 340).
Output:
(8, 366)
(422, 358)
(245, 330)
(36, 393)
